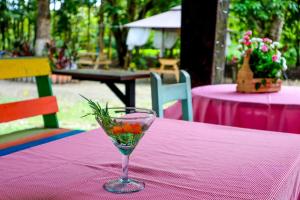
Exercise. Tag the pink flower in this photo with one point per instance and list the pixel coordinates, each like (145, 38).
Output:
(247, 43)
(248, 33)
(264, 48)
(234, 59)
(246, 37)
(267, 40)
(274, 58)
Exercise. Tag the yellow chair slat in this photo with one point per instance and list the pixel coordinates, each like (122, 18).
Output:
(24, 67)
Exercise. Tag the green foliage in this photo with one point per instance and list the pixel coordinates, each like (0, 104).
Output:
(76, 22)
(266, 60)
(262, 65)
(291, 56)
(258, 15)
(17, 21)
(264, 18)
(99, 112)
(138, 62)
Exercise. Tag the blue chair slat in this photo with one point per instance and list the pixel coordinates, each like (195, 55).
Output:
(162, 94)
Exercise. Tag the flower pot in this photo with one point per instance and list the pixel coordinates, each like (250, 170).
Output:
(248, 84)
(60, 79)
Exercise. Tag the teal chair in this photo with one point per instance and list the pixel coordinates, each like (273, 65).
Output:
(162, 94)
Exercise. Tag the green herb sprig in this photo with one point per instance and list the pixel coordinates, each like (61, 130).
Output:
(100, 113)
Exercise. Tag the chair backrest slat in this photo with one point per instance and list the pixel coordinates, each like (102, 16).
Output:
(174, 92)
(23, 67)
(30, 67)
(28, 108)
(165, 93)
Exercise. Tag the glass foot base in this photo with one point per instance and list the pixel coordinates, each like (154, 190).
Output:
(121, 186)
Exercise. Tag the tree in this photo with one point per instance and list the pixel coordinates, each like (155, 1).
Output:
(291, 31)
(31, 14)
(268, 18)
(43, 26)
(63, 28)
(4, 18)
(121, 12)
(265, 17)
(89, 4)
(101, 29)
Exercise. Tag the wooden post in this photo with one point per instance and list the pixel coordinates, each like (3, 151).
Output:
(198, 26)
(220, 42)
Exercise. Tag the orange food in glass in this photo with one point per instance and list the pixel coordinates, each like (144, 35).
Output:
(117, 129)
(136, 128)
(127, 128)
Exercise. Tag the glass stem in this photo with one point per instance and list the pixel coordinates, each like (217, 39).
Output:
(125, 161)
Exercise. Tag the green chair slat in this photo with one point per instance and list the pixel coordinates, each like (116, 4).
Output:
(44, 89)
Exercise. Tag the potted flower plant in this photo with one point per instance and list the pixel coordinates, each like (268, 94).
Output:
(262, 65)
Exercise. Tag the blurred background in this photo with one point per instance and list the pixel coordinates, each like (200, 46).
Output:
(79, 31)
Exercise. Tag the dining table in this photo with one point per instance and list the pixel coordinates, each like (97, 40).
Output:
(221, 104)
(176, 159)
(110, 77)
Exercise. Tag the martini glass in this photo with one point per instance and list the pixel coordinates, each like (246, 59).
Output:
(125, 128)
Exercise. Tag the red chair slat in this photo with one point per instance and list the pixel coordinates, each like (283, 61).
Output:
(28, 108)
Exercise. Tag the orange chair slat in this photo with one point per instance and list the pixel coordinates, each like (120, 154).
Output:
(28, 108)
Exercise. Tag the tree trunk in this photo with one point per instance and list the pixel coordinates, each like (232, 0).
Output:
(43, 26)
(276, 28)
(3, 36)
(148, 6)
(101, 29)
(14, 29)
(120, 37)
(18, 30)
(22, 7)
(88, 26)
(53, 19)
(34, 34)
(29, 30)
(3, 23)
(131, 8)
(109, 45)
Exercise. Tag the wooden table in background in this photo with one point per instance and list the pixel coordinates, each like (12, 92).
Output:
(168, 66)
(110, 78)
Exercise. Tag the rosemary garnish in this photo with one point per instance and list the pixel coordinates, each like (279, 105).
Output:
(122, 132)
(100, 113)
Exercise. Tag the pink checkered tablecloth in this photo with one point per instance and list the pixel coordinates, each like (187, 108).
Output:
(177, 160)
(221, 104)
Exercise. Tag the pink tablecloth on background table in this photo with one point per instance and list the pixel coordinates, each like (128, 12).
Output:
(177, 160)
(221, 104)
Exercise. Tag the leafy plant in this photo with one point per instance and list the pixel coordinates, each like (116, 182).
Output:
(276, 19)
(100, 113)
(122, 132)
(265, 59)
(138, 62)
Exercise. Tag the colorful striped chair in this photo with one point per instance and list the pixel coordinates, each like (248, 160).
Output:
(45, 105)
